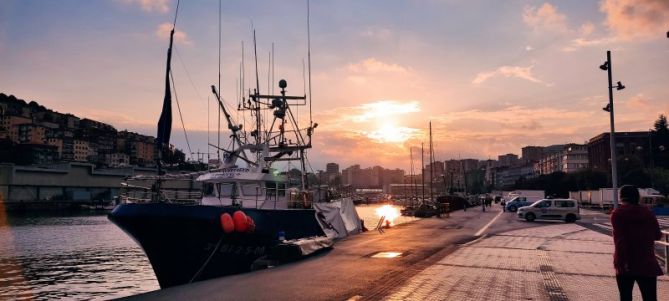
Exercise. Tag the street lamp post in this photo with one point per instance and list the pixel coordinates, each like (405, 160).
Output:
(650, 147)
(612, 139)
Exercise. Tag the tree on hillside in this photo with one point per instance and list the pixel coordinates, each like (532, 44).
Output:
(660, 142)
(660, 179)
(661, 124)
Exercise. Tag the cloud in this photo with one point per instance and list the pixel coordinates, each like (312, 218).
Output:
(352, 135)
(379, 34)
(163, 32)
(391, 133)
(636, 19)
(373, 133)
(373, 79)
(347, 148)
(508, 71)
(599, 100)
(483, 133)
(586, 29)
(582, 42)
(545, 17)
(505, 115)
(383, 109)
(372, 65)
(118, 120)
(378, 121)
(161, 6)
(638, 101)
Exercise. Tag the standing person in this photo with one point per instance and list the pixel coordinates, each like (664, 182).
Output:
(635, 229)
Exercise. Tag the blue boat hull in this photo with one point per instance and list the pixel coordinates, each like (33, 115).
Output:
(187, 243)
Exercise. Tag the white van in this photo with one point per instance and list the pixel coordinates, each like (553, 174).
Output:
(554, 209)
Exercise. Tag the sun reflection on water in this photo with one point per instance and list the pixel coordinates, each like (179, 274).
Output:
(391, 213)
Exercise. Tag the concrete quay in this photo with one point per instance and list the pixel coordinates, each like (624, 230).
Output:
(470, 255)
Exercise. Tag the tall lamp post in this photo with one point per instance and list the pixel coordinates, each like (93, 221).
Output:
(607, 66)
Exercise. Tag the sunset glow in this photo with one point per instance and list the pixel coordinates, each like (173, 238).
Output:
(390, 133)
(389, 212)
(524, 73)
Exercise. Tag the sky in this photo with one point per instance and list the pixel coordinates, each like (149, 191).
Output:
(491, 76)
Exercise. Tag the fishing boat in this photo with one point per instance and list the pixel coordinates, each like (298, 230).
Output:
(247, 215)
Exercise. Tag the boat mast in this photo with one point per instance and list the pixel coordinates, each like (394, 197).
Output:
(422, 174)
(311, 122)
(412, 179)
(218, 138)
(431, 165)
(257, 104)
(309, 57)
(233, 128)
(208, 136)
(165, 120)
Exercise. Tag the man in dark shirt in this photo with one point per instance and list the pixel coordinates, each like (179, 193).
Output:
(635, 229)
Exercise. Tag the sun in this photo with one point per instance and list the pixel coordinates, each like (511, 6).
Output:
(391, 133)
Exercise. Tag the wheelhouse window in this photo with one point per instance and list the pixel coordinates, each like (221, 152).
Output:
(271, 189)
(224, 189)
(282, 189)
(251, 189)
(208, 189)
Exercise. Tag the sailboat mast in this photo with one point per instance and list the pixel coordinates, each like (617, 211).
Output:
(412, 179)
(431, 165)
(422, 174)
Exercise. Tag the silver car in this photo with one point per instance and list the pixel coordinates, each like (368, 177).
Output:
(553, 209)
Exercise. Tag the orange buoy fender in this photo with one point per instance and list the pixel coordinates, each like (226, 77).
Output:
(227, 223)
(240, 221)
(251, 225)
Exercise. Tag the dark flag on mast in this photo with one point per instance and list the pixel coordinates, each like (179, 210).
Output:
(165, 121)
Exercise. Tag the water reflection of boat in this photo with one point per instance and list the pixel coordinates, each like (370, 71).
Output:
(245, 217)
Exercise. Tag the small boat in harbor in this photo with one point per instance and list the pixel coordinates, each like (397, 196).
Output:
(245, 217)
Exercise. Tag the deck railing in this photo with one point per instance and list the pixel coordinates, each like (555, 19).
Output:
(664, 242)
(171, 196)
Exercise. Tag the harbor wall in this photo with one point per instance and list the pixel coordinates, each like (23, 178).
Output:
(68, 185)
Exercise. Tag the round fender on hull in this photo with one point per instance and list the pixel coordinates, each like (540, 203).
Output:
(227, 223)
(240, 221)
(251, 225)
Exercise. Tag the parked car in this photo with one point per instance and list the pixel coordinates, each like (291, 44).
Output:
(517, 202)
(554, 209)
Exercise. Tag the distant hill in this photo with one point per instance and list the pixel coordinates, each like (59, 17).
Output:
(33, 134)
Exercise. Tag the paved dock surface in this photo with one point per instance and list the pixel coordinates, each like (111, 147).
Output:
(554, 262)
(470, 255)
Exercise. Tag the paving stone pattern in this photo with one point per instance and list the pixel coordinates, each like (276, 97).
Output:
(555, 263)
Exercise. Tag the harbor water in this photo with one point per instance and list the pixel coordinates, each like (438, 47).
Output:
(82, 257)
(73, 257)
